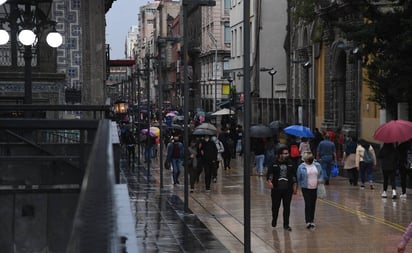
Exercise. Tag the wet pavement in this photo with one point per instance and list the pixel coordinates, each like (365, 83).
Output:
(348, 219)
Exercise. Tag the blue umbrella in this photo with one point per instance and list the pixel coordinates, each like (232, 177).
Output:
(298, 130)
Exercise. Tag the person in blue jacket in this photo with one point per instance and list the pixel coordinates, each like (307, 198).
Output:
(309, 175)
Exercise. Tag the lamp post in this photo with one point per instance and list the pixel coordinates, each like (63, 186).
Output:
(26, 21)
(271, 72)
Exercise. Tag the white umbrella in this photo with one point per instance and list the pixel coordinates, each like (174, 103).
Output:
(224, 111)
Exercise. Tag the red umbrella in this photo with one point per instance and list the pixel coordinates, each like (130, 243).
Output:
(394, 131)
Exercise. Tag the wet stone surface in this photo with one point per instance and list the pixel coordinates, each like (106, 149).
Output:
(161, 224)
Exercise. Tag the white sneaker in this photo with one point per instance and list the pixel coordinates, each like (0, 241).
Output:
(383, 195)
(393, 194)
(403, 196)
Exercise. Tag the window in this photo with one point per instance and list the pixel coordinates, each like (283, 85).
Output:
(227, 32)
(227, 4)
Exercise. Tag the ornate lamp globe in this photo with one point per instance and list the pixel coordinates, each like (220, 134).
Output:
(27, 37)
(54, 39)
(4, 37)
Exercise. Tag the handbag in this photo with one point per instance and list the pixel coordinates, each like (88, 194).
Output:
(321, 191)
(334, 171)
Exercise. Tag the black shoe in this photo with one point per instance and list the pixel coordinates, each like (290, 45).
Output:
(327, 182)
(273, 223)
(288, 228)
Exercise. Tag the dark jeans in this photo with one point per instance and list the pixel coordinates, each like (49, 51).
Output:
(284, 196)
(326, 163)
(366, 170)
(389, 175)
(403, 175)
(208, 168)
(226, 161)
(176, 170)
(309, 196)
(353, 176)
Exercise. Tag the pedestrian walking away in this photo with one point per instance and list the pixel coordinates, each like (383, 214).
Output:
(309, 175)
(365, 162)
(388, 157)
(405, 163)
(281, 179)
(219, 159)
(258, 147)
(175, 153)
(326, 155)
(193, 169)
(349, 160)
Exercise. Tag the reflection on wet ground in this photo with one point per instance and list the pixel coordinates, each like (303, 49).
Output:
(161, 225)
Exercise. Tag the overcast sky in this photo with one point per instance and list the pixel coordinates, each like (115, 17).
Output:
(120, 18)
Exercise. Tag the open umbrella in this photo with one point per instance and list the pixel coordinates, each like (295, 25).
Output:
(277, 125)
(207, 126)
(224, 111)
(394, 131)
(201, 131)
(176, 127)
(144, 132)
(171, 114)
(260, 131)
(298, 130)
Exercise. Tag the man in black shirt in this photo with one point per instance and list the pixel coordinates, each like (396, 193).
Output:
(208, 152)
(281, 179)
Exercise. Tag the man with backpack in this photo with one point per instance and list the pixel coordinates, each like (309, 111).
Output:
(365, 162)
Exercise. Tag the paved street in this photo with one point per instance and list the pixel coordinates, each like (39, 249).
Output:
(348, 220)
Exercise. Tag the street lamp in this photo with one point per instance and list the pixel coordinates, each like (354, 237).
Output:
(27, 20)
(271, 72)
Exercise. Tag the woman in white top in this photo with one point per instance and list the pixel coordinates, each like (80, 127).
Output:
(309, 175)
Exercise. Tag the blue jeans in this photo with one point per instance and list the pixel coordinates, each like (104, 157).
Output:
(326, 163)
(259, 159)
(366, 170)
(176, 170)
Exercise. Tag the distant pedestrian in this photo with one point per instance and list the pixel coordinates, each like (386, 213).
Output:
(219, 159)
(309, 175)
(304, 146)
(130, 142)
(193, 168)
(318, 138)
(365, 162)
(258, 148)
(404, 149)
(281, 179)
(326, 155)
(388, 157)
(349, 160)
(175, 153)
(228, 145)
(208, 152)
(405, 239)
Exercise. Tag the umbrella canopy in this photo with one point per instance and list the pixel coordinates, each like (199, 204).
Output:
(201, 131)
(394, 131)
(144, 131)
(224, 111)
(176, 127)
(171, 114)
(260, 131)
(207, 126)
(277, 125)
(298, 130)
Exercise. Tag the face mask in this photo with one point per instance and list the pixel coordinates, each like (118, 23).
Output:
(309, 160)
(206, 139)
(285, 157)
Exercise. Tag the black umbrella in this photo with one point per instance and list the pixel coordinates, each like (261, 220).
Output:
(260, 131)
(277, 125)
(176, 127)
(207, 126)
(202, 131)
